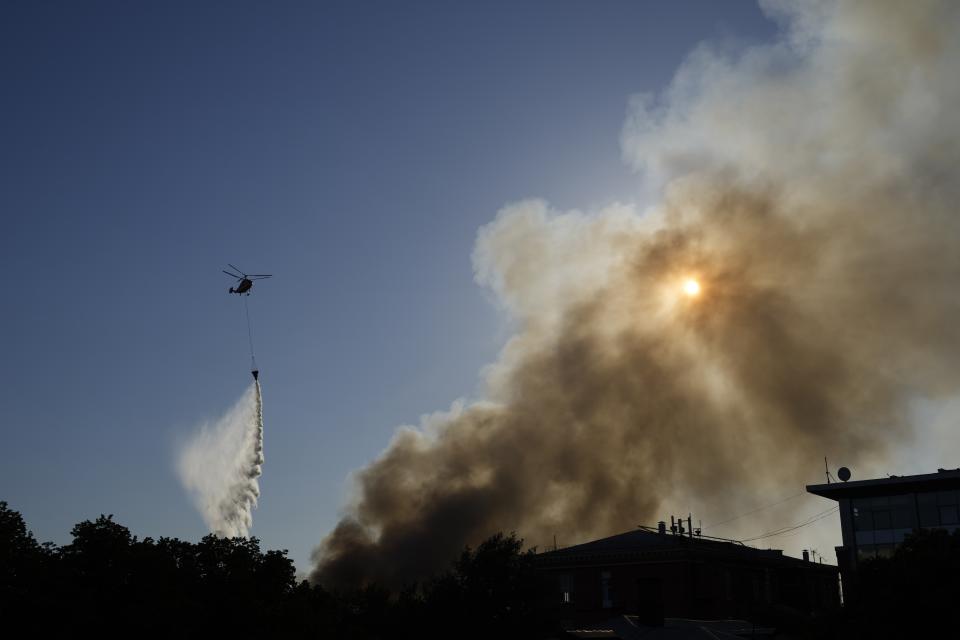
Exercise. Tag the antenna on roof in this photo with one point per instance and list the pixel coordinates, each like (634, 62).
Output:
(827, 469)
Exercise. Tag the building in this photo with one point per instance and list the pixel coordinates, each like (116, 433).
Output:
(657, 574)
(625, 627)
(877, 514)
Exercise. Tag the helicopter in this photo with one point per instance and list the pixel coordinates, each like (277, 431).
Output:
(244, 280)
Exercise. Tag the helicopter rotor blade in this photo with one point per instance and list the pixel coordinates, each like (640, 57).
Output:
(235, 268)
(232, 275)
(260, 275)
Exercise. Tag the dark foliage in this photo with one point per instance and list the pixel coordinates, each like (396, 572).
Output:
(492, 591)
(106, 582)
(912, 592)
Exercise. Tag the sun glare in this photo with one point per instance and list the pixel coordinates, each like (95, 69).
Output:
(691, 287)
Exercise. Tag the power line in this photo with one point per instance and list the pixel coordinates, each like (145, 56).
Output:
(766, 506)
(779, 532)
(788, 529)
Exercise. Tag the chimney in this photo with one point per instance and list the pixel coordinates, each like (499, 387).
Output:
(662, 527)
(806, 556)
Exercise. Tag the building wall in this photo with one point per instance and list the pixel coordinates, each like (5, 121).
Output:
(875, 526)
(695, 588)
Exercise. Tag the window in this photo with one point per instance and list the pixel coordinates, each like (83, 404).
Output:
(927, 506)
(606, 589)
(566, 587)
(900, 534)
(946, 497)
(881, 523)
(869, 551)
(940, 509)
(862, 516)
(905, 517)
(903, 511)
(901, 500)
(883, 536)
(948, 514)
(882, 519)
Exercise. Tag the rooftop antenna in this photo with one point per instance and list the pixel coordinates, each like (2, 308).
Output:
(827, 470)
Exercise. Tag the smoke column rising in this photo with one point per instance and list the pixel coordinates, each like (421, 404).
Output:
(220, 466)
(810, 186)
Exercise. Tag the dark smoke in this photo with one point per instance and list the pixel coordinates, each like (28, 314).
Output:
(810, 187)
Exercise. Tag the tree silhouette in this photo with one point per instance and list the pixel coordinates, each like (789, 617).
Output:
(912, 591)
(107, 582)
(495, 586)
(24, 564)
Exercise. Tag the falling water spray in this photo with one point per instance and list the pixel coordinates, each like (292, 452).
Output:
(221, 463)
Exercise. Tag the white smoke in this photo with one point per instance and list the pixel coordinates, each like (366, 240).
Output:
(221, 463)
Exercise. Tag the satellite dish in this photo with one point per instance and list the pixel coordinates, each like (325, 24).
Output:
(843, 473)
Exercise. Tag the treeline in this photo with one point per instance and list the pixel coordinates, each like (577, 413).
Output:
(108, 582)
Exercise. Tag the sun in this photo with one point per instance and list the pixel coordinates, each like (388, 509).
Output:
(691, 288)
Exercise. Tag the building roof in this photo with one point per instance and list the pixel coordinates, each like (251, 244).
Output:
(641, 544)
(942, 480)
(645, 539)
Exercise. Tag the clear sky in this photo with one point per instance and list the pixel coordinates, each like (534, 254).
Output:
(350, 148)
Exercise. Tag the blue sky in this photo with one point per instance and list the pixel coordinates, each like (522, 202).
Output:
(350, 148)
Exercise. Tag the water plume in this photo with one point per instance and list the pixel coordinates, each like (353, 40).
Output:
(809, 186)
(221, 463)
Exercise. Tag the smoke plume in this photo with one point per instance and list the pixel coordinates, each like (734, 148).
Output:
(221, 463)
(810, 186)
